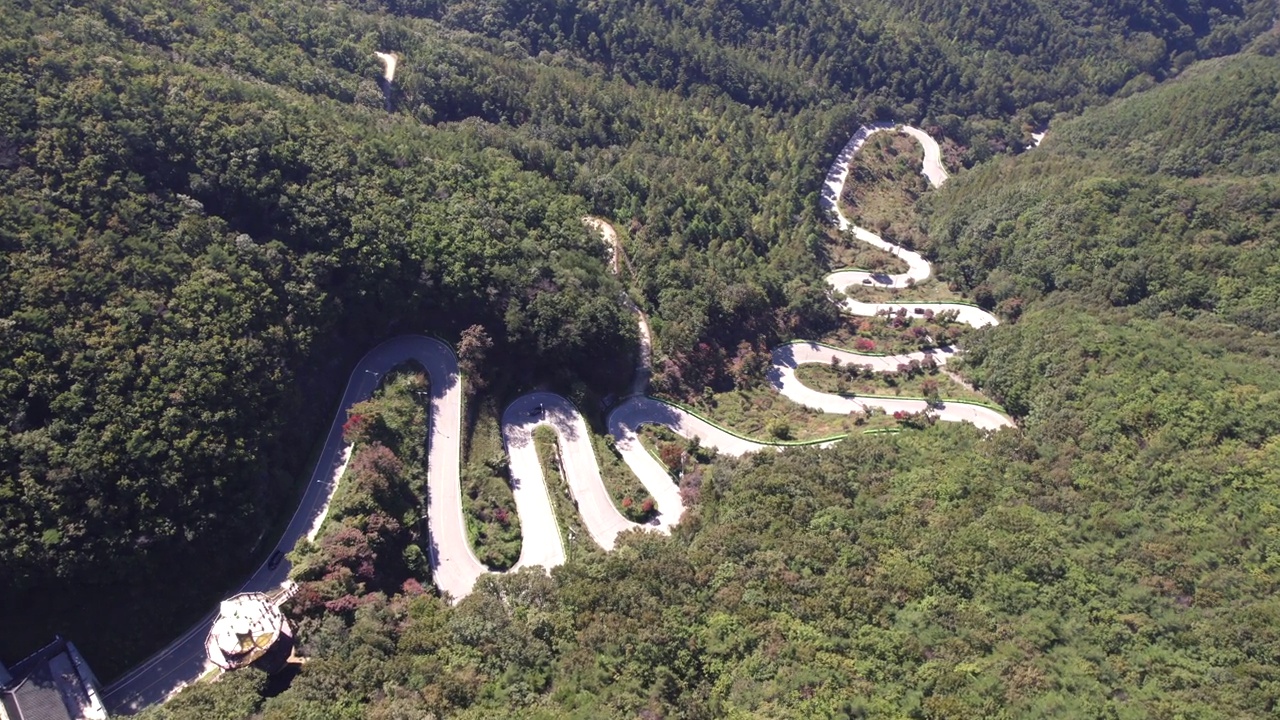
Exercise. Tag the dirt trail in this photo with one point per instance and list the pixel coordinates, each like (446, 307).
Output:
(644, 361)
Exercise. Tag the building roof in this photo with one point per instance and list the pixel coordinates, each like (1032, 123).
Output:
(247, 626)
(54, 683)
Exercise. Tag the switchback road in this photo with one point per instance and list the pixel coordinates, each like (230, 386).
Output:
(455, 567)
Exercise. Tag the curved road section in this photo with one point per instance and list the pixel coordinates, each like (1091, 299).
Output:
(455, 567)
(918, 269)
(183, 660)
(787, 358)
(577, 460)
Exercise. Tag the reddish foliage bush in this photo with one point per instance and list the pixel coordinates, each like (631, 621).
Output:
(306, 601)
(373, 470)
(344, 604)
(672, 455)
(691, 487)
(379, 525)
(354, 427)
(377, 459)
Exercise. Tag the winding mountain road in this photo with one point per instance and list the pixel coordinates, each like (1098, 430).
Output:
(455, 567)
(183, 660)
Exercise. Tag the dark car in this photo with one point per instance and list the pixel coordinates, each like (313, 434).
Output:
(274, 561)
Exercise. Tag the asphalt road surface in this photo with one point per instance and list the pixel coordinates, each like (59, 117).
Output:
(782, 376)
(918, 269)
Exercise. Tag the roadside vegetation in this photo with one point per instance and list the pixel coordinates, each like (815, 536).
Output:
(897, 333)
(909, 381)
(573, 534)
(686, 460)
(760, 413)
(883, 187)
(934, 289)
(843, 250)
(628, 493)
(489, 508)
(374, 537)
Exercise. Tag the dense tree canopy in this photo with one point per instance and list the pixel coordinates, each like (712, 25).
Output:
(182, 252)
(1166, 201)
(208, 208)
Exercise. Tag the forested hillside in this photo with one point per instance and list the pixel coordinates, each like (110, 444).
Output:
(989, 59)
(1165, 202)
(188, 258)
(1115, 557)
(208, 210)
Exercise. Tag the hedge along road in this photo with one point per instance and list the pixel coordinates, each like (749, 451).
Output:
(454, 565)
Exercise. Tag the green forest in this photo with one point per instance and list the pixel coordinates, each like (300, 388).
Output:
(210, 209)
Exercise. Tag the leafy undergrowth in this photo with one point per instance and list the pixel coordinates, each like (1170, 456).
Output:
(629, 495)
(490, 509)
(907, 382)
(573, 533)
(896, 334)
(372, 538)
(883, 186)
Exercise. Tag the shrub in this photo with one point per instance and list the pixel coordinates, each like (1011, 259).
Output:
(353, 429)
(672, 455)
(779, 429)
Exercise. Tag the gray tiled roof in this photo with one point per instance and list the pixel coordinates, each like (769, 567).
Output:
(48, 686)
(37, 698)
